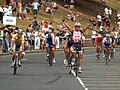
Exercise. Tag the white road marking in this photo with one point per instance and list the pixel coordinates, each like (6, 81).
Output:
(80, 81)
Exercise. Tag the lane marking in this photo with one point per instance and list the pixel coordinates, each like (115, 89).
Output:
(80, 81)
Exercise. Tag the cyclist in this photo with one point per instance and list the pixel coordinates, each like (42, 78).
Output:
(107, 43)
(49, 40)
(67, 43)
(77, 41)
(98, 43)
(17, 40)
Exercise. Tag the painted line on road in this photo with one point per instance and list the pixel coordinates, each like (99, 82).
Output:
(80, 81)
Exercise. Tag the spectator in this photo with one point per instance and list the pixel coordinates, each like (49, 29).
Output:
(72, 4)
(54, 5)
(93, 21)
(65, 4)
(110, 12)
(115, 34)
(69, 15)
(1, 40)
(41, 35)
(99, 20)
(35, 22)
(49, 10)
(73, 17)
(45, 27)
(35, 5)
(93, 36)
(1, 12)
(20, 9)
(47, 3)
(24, 14)
(106, 14)
(14, 6)
(42, 8)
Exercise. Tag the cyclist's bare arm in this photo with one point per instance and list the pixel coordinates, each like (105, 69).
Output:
(12, 43)
(68, 27)
(23, 45)
(86, 27)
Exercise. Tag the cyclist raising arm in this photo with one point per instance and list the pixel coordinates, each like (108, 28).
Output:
(17, 40)
(77, 41)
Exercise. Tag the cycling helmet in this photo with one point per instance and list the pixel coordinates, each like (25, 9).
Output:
(77, 24)
(99, 35)
(107, 35)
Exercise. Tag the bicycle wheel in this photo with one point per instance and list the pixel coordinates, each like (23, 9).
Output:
(50, 57)
(106, 58)
(70, 65)
(76, 67)
(98, 57)
(112, 53)
(15, 68)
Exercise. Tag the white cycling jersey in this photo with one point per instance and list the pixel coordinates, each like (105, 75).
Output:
(77, 36)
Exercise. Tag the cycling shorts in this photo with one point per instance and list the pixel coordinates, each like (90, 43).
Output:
(76, 45)
(49, 43)
(106, 45)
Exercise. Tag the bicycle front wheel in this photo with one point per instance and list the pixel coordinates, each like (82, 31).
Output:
(15, 68)
(50, 57)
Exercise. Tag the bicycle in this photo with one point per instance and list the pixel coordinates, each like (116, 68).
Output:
(106, 56)
(50, 57)
(112, 52)
(74, 66)
(15, 63)
(99, 52)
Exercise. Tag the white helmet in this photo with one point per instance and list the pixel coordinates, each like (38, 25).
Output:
(107, 35)
(77, 24)
(99, 35)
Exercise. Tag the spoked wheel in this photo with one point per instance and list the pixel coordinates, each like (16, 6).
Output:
(15, 68)
(50, 62)
(106, 61)
(112, 54)
(98, 57)
(76, 70)
(50, 58)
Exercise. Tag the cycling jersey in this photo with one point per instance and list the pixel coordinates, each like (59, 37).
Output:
(68, 38)
(18, 41)
(107, 42)
(77, 39)
(98, 40)
(77, 36)
(49, 38)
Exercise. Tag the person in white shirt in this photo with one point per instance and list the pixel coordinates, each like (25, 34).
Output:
(35, 5)
(110, 12)
(99, 19)
(106, 12)
(93, 36)
(1, 12)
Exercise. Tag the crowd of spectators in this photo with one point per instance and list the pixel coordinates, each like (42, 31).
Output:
(103, 23)
(34, 34)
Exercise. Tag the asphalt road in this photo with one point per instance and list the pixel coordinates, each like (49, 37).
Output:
(36, 74)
